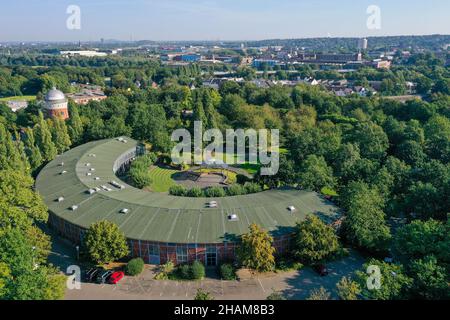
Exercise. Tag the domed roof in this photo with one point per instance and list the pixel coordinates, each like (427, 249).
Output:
(54, 95)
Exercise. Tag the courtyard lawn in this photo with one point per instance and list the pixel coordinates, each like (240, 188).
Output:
(162, 179)
(19, 98)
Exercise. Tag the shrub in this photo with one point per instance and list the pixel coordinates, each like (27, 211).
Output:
(252, 187)
(134, 267)
(276, 295)
(203, 295)
(165, 270)
(235, 190)
(227, 272)
(195, 192)
(185, 272)
(215, 192)
(197, 270)
(178, 190)
(241, 179)
(140, 176)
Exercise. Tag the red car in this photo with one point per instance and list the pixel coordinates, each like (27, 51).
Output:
(116, 277)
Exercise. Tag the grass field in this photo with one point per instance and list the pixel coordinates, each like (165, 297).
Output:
(19, 98)
(162, 179)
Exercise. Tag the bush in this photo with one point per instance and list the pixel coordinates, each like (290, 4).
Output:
(195, 192)
(203, 295)
(241, 179)
(215, 192)
(165, 270)
(288, 265)
(134, 267)
(252, 187)
(236, 190)
(227, 272)
(178, 190)
(140, 176)
(197, 270)
(185, 272)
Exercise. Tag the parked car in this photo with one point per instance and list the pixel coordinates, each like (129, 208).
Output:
(321, 270)
(92, 274)
(103, 277)
(116, 277)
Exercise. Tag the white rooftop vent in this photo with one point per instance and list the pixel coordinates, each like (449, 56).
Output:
(124, 141)
(92, 169)
(291, 208)
(89, 174)
(88, 164)
(124, 210)
(233, 217)
(74, 207)
(92, 155)
(61, 164)
(120, 139)
(63, 172)
(60, 199)
(97, 178)
(90, 191)
(97, 189)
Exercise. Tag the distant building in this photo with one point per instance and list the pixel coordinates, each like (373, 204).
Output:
(83, 53)
(56, 104)
(257, 63)
(362, 44)
(16, 105)
(381, 64)
(87, 93)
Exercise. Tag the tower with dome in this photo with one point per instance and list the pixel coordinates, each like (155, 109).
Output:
(56, 104)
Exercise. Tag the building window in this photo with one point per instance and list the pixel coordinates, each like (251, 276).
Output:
(211, 256)
(182, 255)
(153, 250)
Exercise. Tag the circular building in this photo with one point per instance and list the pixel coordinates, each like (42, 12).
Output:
(80, 187)
(56, 104)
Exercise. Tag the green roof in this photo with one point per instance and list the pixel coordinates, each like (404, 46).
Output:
(158, 216)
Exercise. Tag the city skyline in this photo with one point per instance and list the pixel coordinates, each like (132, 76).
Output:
(213, 20)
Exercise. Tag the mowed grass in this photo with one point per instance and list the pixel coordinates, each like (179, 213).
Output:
(19, 98)
(162, 179)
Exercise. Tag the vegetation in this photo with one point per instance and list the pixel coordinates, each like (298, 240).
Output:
(227, 272)
(348, 289)
(105, 242)
(203, 295)
(134, 267)
(319, 294)
(256, 250)
(314, 241)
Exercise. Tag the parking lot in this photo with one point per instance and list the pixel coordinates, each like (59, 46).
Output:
(294, 285)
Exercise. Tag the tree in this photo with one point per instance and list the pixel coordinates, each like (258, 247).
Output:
(364, 223)
(44, 139)
(10, 156)
(75, 126)
(203, 295)
(319, 294)
(22, 279)
(256, 250)
(371, 139)
(31, 150)
(314, 240)
(421, 238)
(60, 136)
(394, 283)
(314, 174)
(348, 289)
(105, 242)
(430, 279)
